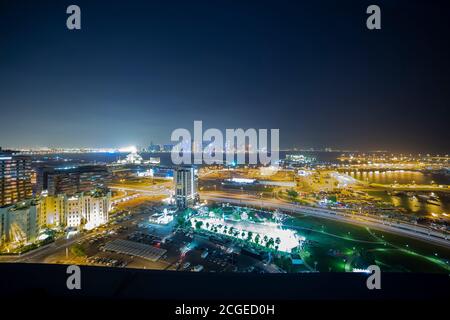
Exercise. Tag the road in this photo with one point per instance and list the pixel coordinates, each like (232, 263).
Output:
(47, 250)
(155, 191)
(392, 226)
(418, 188)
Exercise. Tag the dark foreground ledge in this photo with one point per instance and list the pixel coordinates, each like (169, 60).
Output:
(19, 280)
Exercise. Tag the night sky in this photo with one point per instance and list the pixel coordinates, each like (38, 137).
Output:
(139, 69)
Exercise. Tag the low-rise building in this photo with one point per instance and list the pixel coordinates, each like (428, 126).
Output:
(83, 210)
(70, 180)
(52, 211)
(19, 223)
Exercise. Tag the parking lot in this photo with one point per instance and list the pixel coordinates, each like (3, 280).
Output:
(129, 240)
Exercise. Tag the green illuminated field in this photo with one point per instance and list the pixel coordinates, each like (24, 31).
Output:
(341, 247)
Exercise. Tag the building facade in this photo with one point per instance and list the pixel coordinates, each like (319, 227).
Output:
(19, 223)
(86, 210)
(52, 211)
(15, 179)
(71, 180)
(185, 186)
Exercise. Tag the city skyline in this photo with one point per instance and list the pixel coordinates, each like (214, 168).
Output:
(224, 156)
(133, 75)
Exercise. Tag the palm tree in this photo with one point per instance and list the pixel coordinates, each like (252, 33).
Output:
(198, 224)
(292, 194)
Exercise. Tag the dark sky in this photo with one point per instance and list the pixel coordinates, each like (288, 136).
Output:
(139, 69)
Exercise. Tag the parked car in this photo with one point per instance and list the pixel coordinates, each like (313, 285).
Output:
(198, 268)
(186, 265)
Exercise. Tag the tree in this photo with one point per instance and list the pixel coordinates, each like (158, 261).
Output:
(77, 250)
(198, 224)
(333, 198)
(181, 221)
(292, 194)
(270, 243)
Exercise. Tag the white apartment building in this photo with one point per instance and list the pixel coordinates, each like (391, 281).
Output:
(87, 210)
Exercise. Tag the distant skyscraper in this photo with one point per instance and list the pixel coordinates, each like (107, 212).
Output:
(185, 186)
(154, 147)
(15, 178)
(167, 147)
